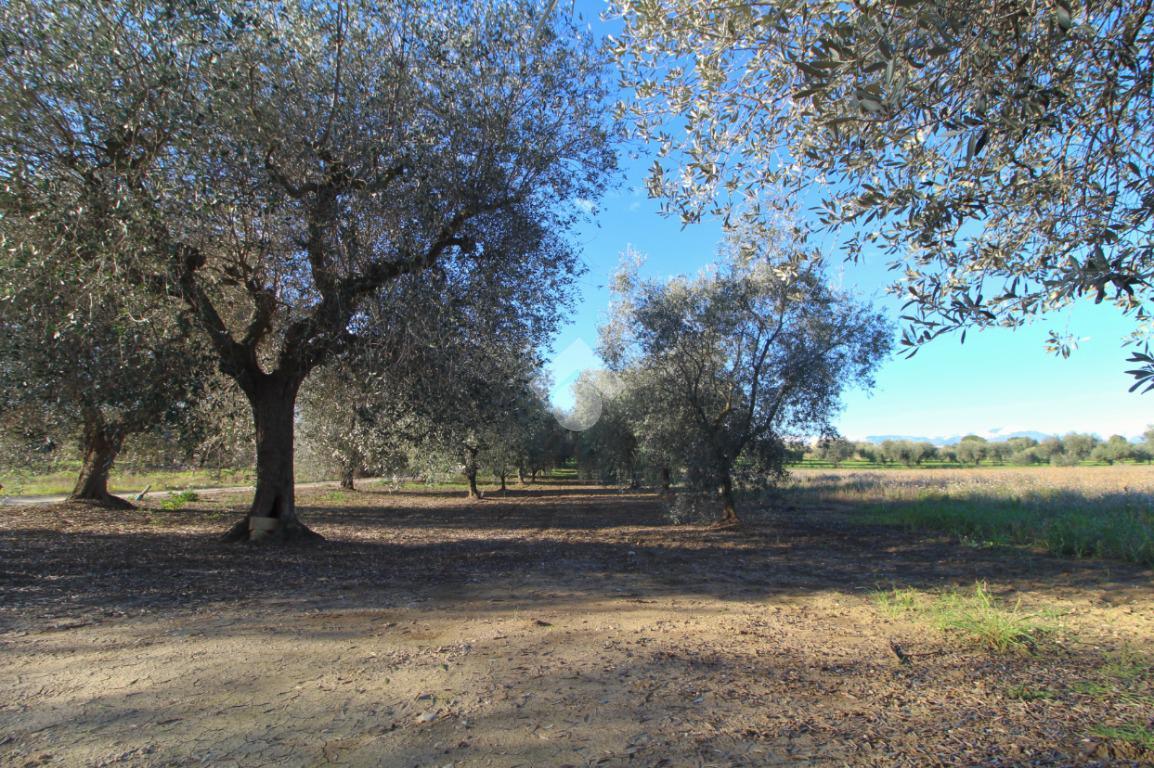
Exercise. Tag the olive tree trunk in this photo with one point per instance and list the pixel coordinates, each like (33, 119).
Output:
(273, 513)
(728, 507)
(101, 444)
(471, 472)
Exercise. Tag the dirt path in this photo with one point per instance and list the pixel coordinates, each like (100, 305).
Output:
(566, 626)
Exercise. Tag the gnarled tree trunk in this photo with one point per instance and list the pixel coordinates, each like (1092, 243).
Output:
(273, 513)
(666, 479)
(101, 445)
(348, 474)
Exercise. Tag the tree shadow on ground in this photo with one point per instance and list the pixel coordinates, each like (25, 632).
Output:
(61, 562)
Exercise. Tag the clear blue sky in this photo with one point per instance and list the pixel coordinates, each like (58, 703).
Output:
(999, 380)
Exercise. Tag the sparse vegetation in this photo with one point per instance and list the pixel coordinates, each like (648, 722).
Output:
(178, 501)
(1099, 512)
(1026, 693)
(131, 481)
(1137, 734)
(974, 614)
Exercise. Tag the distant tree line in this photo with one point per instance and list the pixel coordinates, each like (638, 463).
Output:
(1068, 450)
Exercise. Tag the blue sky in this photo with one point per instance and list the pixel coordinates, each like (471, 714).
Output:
(997, 381)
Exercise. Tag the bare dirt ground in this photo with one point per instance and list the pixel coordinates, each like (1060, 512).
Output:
(557, 626)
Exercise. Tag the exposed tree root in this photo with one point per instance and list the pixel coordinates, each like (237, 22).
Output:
(108, 501)
(296, 533)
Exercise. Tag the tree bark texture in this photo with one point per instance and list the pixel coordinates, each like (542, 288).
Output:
(728, 507)
(471, 472)
(101, 445)
(273, 399)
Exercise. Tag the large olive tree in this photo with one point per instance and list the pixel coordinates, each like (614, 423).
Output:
(277, 164)
(736, 360)
(1002, 151)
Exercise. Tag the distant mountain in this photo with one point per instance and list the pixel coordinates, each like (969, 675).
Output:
(911, 438)
(993, 435)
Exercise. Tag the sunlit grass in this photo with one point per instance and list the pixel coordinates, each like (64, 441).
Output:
(177, 501)
(975, 615)
(62, 481)
(1076, 512)
(1137, 734)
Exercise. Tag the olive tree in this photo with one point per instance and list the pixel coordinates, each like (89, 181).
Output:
(1001, 152)
(279, 164)
(460, 347)
(835, 450)
(741, 358)
(83, 359)
(608, 448)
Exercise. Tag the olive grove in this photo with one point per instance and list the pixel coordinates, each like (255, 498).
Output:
(275, 166)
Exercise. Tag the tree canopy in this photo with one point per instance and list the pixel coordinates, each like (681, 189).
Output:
(731, 363)
(274, 165)
(1001, 152)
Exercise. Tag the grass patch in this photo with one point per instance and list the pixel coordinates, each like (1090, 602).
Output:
(177, 501)
(1137, 734)
(975, 615)
(1026, 693)
(1067, 511)
(1125, 533)
(62, 481)
(1124, 677)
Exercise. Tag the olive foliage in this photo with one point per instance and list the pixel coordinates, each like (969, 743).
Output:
(1000, 151)
(727, 366)
(277, 164)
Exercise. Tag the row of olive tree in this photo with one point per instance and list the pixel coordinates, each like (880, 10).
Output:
(259, 175)
(1067, 450)
(449, 375)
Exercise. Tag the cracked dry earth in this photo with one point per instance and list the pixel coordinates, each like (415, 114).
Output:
(556, 626)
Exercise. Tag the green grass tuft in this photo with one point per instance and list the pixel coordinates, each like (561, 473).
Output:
(1026, 693)
(975, 615)
(1139, 735)
(177, 501)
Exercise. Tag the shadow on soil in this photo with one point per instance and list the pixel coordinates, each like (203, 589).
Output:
(587, 543)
